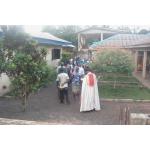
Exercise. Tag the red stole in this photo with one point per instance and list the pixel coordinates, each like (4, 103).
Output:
(91, 79)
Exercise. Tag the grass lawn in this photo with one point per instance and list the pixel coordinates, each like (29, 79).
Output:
(120, 77)
(128, 79)
(135, 92)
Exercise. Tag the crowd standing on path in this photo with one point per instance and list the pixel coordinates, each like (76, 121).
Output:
(76, 75)
(76, 81)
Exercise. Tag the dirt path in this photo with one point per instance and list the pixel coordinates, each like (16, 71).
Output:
(44, 107)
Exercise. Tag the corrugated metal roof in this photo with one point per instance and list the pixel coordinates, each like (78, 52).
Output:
(120, 41)
(48, 36)
(143, 42)
(71, 46)
(48, 39)
(111, 30)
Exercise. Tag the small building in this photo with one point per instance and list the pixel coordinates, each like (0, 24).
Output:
(137, 44)
(118, 41)
(141, 51)
(54, 45)
(94, 34)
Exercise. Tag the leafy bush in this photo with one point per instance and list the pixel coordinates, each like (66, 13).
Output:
(25, 64)
(28, 75)
(115, 61)
(66, 56)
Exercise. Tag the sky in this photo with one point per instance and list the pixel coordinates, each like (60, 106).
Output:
(33, 28)
(38, 28)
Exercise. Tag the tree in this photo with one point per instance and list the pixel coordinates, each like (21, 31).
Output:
(68, 33)
(2, 59)
(143, 31)
(66, 56)
(25, 64)
(51, 29)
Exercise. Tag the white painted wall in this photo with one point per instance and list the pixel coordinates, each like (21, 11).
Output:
(49, 56)
(4, 82)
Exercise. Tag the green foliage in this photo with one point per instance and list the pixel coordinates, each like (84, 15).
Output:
(144, 31)
(2, 59)
(27, 74)
(117, 77)
(115, 61)
(24, 63)
(68, 33)
(90, 41)
(135, 93)
(14, 37)
(126, 87)
(66, 56)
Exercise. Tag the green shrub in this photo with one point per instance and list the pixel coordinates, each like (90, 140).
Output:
(66, 56)
(24, 63)
(113, 61)
(28, 75)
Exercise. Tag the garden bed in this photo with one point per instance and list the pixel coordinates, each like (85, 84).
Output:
(135, 93)
(122, 87)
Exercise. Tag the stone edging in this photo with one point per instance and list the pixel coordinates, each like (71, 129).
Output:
(124, 100)
(6, 121)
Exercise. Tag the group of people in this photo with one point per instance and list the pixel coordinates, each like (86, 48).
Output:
(77, 75)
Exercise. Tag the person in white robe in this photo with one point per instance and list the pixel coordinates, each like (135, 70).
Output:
(89, 93)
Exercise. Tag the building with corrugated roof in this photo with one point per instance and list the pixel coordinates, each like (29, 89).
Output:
(53, 44)
(94, 34)
(137, 44)
(141, 51)
(119, 41)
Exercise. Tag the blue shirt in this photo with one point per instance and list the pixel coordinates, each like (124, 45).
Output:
(76, 79)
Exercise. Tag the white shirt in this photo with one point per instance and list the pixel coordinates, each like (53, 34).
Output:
(62, 78)
(81, 71)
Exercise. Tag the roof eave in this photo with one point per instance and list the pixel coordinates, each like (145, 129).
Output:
(101, 28)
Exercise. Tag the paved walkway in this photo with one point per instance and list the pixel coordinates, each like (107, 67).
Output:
(145, 82)
(44, 108)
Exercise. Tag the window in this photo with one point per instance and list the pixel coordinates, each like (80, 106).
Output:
(55, 54)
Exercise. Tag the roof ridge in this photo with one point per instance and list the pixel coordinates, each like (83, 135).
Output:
(102, 28)
(48, 36)
(120, 40)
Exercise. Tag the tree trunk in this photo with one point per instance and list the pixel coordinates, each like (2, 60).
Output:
(24, 103)
(24, 100)
(115, 81)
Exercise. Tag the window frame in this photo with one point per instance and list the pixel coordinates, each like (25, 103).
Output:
(56, 53)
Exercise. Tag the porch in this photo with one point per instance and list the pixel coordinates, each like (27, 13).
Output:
(144, 81)
(142, 63)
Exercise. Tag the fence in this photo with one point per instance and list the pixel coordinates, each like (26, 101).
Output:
(124, 115)
(118, 80)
